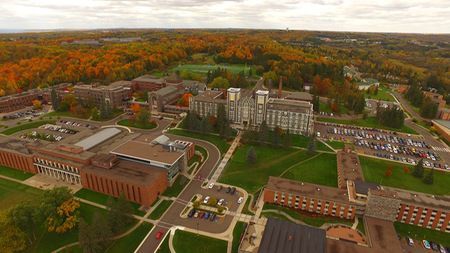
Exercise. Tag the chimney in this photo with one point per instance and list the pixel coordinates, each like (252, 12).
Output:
(280, 87)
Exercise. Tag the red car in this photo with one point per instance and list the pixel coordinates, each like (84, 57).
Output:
(159, 235)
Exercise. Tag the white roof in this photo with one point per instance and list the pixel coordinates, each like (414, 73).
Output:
(97, 138)
(234, 89)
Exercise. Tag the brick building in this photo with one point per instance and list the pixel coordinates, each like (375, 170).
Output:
(16, 154)
(148, 83)
(116, 94)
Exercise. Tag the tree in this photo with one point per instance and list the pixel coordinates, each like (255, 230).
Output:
(27, 218)
(312, 145)
(143, 117)
(55, 99)
(316, 103)
(428, 179)
(135, 108)
(388, 171)
(418, 169)
(105, 110)
(287, 139)
(119, 213)
(65, 218)
(263, 132)
(428, 109)
(95, 114)
(12, 239)
(96, 237)
(220, 83)
(223, 125)
(37, 104)
(251, 155)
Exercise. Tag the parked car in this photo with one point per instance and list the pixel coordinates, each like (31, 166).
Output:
(233, 190)
(240, 200)
(159, 235)
(191, 213)
(205, 201)
(211, 185)
(220, 202)
(434, 246)
(426, 244)
(410, 241)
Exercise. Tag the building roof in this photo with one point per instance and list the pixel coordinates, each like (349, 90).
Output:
(17, 145)
(303, 96)
(444, 123)
(415, 198)
(98, 138)
(307, 189)
(149, 78)
(165, 91)
(289, 105)
(208, 96)
(363, 187)
(147, 151)
(287, 237)
(348, 166)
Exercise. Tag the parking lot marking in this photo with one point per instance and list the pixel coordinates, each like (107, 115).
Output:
(441, 149)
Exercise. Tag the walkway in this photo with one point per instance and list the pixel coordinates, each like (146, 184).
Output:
(226, 158)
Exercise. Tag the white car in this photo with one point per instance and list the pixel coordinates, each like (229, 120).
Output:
(240, 200)
(205, 201)
(211, 185)
(220, 202)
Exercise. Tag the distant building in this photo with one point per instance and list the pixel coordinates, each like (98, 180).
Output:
(366, 83)
(442, 128)
(116, 94)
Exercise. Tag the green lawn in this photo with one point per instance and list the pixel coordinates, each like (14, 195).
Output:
(361, 228)
(311, 219)
(204, 68)
(56, 114)
(176, 187)
(13, 173)
(383, 94)
(102, 199)
(245, 209)
(12, 193)
(336, 144)
(302, 141)
(420, 233)
(321, 169)
(192, 243)
(164, 247)
(370, 122)
(34, 124)
(237, 233)
(131, 123)
(323, 107)
(271, 161)
(130, 242)
(374, 170)
(220, 143)
(160, 209)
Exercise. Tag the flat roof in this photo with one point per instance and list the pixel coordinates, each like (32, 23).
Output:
(148, 78)
(415, 198)
(98, 138)
(286, 237)
(289, 105)
(444, 123)
(305, 96)
(307, 189)
(147, 151)
(348, 166)
(17, 145)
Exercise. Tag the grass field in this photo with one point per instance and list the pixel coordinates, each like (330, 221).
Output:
(361, 227)
(271, 161)
(220, 143)
(321, 169)
(26, 126)
(383, 94)
(12, 193)
(310, 218)
(192, 243)
(323, 107)
(374, 170)
(302, 141)
(370, 122)
(237, 233)
(204, 68)
(130, 242)
(130, 123)
(176, 187)
(336, 144)
(102, 199)
(420, 233)
(13, 173)
(160, 209)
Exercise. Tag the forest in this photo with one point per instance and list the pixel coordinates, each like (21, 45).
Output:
(33, 60)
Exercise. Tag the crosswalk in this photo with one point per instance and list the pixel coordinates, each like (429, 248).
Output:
(441, 149)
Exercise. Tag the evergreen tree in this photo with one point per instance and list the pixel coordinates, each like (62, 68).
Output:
(263, 132)
(96, 237)
(312, 145)
(251, 155)
(418, 169)
(428, 179)
(55, 99)
(316, 103)
(119, 213)
(143, 117)
(287, 141)
(428, 109)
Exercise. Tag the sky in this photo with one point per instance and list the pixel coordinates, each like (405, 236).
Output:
(408, 16)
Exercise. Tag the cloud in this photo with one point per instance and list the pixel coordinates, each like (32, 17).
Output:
(349, 15)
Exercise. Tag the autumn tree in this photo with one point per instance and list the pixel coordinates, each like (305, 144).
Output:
(12, 239)
(65, 218)
(135, 108)
(388, 171)
(220, 83)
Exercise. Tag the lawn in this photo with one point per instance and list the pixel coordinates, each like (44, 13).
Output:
(271, 161)
(164, 247)
(31, 125)
(12, 193)
(237, 234)
(160, 209)
(115, 113)
(374, 171)
(220, 143)
(193, 243)
(361, 227)
(383, 94)
(177, 186)
(321, 169)
(311, 219)
(420, 233)
(370, 122)
(204, 68)
(13, 173)
(336, 144)
(131, 123)
(302, 141)
(245, 209)
(102, 199)
(323, 107)
(130, 242)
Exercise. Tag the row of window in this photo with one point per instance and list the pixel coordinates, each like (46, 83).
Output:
(57, 165)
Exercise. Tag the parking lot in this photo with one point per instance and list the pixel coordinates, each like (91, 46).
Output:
(384, 144)
(417, 246)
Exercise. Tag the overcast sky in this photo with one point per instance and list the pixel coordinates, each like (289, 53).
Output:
(420, 16)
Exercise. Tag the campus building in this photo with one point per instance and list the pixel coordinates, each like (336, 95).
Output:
(116, 94)
(249, 108)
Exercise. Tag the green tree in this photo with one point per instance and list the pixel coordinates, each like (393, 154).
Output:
(55, 99)
(96, 237)
(312, 145)
(428, 179)
(223, 125)
(428, 109)
(119, 213)
(287, 139)
(28, 219)
(220, 83)
(316, 103)
(263, 132)
(418, 169)
(251, 155)
(143, 117)
(105, 110)
(95, 114)
(12, 239)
